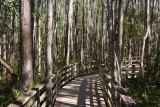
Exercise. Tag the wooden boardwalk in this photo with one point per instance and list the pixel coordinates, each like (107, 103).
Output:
(81, 92)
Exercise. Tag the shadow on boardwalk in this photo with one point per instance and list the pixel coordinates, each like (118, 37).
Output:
(81, 92)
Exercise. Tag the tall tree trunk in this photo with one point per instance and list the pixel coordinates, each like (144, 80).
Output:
(130, 50)
(120, 36)
(102, 37)
(75, 30)
(12, 56)
(111, 37)
(26, 46)
(70, 27)
(49, 37)
(120, 31)
(66, 32)
(82, 37)
(147, 34)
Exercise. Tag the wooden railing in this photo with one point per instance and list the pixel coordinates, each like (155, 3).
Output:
(44, 94)
(114, 95)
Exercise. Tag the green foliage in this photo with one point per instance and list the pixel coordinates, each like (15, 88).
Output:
(156, 51)
(2, 98)
(59, 61)
(16, 93)
(146, 94)
(141, 16)
(8, 95)
(131, 30)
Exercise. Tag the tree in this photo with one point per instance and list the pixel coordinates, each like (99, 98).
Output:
(70, 29)
(148, 32)
(120, 30)
(82, 37)
(26, 71)
(49, 37)
(111, 37)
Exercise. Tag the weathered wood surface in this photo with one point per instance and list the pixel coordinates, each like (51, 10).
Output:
(114, 95)
(81, 92)
(40, 97)
(130, 70)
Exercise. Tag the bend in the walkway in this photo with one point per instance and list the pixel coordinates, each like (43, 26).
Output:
(81, 92)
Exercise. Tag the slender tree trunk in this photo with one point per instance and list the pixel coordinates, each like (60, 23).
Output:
(12, 56)
(102, 37)
(130, 51)
(82, 37)
(39, 47)
(49, 37)
(70, 27)
(66, 32)
(75, 30)
(120, 35)
(120, 32)
(111, 37)
(147, 34)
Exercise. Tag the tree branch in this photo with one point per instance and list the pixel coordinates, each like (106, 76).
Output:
(6, 66)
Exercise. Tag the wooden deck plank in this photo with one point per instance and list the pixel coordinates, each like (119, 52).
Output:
(81, 92)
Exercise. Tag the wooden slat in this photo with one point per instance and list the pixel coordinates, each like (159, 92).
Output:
(35, 104)
(43, 96)
(114, 92)
(24, 99)
(14, 105)
(44, 104)
(59, 78)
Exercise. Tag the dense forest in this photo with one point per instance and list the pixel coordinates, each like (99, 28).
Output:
(38, 37)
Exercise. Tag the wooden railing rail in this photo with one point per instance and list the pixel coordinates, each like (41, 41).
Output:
(114, 95)
(44, 94)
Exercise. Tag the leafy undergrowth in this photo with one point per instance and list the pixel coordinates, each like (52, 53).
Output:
(146, 93)
(8, 95)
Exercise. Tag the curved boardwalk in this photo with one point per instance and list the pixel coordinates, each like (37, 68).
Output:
(81, 92)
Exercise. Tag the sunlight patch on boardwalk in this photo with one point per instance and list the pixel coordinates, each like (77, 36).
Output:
(81, 92)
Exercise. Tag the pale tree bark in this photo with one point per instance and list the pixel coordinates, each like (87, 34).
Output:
(26, 46)
(130, 50)
(147, 34)
(70, 27)
(120, 30)
(89, 29)
(82, 37)
(39, 47)
(120, 35)
(49, 46)
(49, 37)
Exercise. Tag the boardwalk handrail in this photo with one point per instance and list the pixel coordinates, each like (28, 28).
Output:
(114, 95)
(44, 94)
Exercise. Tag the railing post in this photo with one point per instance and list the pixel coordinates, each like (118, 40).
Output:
(37, 96)
(49, 91)
(75, 70)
